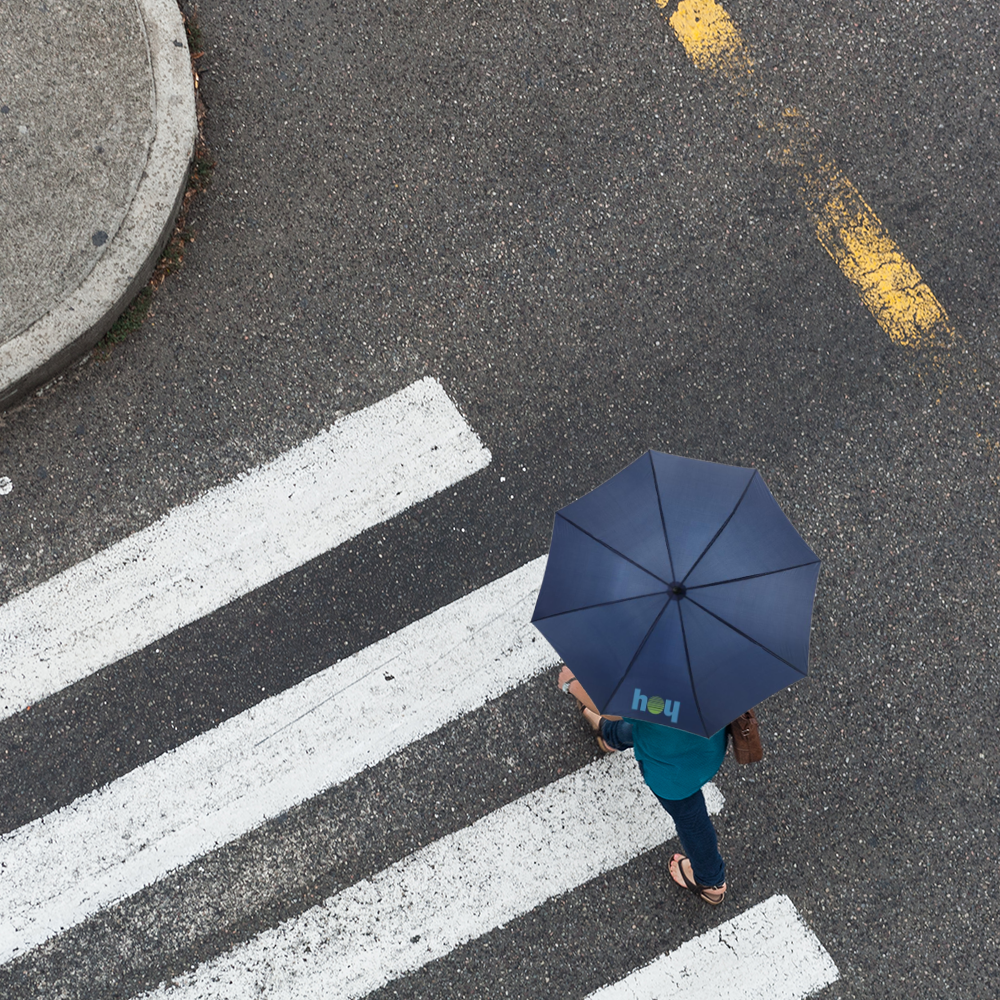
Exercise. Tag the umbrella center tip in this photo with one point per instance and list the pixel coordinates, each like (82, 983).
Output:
(678, 590)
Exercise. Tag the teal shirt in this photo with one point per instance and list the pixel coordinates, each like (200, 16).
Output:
(675, 763)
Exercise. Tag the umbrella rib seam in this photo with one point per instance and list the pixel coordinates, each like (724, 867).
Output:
(722, 527)
(749, 638)
(687, 656)
(663, 517)
(752, 576)
(621, 555)
(635, 655)
(602, 604)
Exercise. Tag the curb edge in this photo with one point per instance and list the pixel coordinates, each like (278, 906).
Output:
(78, 321)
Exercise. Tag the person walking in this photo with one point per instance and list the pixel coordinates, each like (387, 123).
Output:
(675, 765)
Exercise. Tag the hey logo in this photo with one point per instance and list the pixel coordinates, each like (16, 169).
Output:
(655, 705)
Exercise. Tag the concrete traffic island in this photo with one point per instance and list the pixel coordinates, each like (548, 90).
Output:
(97, 135)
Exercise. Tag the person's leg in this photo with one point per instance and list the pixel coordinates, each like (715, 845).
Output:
(698, 838)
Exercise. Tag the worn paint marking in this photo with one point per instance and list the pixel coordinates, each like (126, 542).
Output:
(449, 893)
(889, 285)
(107, 845)
(710, 38)
(365, 469)
(846, 226)
(766, 951)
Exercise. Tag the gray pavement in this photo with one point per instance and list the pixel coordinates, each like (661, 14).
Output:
(551, 211)
(97, 130)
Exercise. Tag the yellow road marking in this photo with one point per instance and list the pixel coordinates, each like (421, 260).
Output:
(855, 238)
(710, 37)
(889, 285)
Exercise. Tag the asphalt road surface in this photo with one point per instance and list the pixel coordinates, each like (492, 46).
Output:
(584, 239)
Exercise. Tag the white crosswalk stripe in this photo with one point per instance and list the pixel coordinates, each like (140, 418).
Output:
(365, 469)
(767, 952)
(109, 844)
(447, 894)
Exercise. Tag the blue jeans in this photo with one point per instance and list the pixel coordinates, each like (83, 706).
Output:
(694, 828)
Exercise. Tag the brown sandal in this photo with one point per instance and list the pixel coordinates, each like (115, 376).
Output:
(718, 892)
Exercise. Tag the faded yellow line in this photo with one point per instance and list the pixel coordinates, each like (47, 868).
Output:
(889, 285)
(710, 38)
(855, 238)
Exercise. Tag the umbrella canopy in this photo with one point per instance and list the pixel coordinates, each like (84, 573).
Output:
(679, 593)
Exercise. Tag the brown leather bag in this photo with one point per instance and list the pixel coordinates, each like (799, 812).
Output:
(746, 738)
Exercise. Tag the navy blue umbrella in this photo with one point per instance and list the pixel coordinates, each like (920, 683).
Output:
(678, 592)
